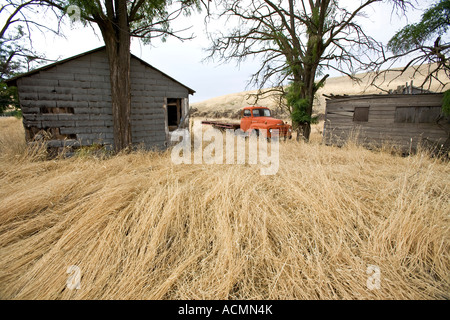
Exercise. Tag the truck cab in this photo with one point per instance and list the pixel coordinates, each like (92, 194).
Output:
(255, 118)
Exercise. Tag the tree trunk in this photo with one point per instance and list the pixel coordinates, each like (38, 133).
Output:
(304, 131)
(116, 34)
(309, 93)
(119, 65)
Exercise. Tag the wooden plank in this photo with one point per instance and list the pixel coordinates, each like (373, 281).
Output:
(384, 97)
(102, 85)
(53, 74)
(391, 135)
(392, 130)
(98, 91)
(72, 104)
(101, 130)
(100, 104)
(24, 95)
(44, 103)
(379, 104)
(28, 89)
(75, 117)
(100, 70)
(55, 96)
(57, 123)
(74, 130)
(101, 116)
(33, 81)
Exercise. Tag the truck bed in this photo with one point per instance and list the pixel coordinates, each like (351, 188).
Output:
(223, 125)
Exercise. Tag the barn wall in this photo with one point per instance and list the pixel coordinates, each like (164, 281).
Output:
(149, 93)
(72, 101)
(381, 127)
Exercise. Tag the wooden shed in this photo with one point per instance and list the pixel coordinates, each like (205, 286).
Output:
(403, 121)
(71, 101)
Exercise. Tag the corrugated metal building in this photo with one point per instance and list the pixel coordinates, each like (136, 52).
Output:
(71, 101)
(403, 121)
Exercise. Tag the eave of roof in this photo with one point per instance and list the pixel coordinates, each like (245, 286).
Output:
(380, 96)
(13, 81)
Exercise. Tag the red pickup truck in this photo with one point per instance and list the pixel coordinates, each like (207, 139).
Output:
(253, 119)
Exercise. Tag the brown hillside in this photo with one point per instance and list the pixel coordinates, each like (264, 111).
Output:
(227, 105)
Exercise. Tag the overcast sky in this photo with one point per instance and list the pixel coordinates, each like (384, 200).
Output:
(183, 60)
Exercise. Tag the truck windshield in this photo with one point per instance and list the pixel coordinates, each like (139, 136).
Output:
(261, 112)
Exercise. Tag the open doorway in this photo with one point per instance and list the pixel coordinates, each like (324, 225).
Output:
(173, 113)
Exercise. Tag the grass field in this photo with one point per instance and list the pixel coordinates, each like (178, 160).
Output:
(139, 227)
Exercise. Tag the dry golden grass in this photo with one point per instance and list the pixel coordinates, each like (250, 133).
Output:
(12, 141)
(140, 227)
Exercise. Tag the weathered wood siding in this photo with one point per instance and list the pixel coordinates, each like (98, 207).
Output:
(72, 97)
(381, 127)
(150, 90)
(72, 101)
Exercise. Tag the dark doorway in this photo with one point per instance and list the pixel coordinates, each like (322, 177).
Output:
(173, 113)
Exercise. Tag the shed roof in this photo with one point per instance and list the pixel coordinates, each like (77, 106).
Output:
(13, 81)
(332, 97)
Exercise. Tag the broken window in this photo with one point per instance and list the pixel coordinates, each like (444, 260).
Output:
(173, 113)
(405, 114)
(417, 114)
(361, 114)
(428, 114)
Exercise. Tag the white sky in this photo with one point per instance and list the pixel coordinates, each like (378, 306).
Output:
(183, 60)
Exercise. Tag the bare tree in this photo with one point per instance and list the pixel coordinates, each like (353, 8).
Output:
(424, 44)
(297, 41)
(17, 25)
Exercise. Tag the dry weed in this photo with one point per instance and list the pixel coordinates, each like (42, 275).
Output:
(140, 227)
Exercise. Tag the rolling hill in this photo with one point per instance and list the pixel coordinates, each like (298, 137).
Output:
(227, 106)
